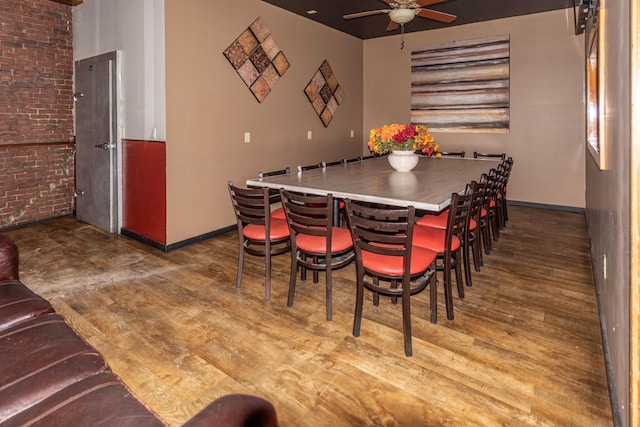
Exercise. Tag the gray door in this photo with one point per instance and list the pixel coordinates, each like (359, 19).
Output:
(96, 161)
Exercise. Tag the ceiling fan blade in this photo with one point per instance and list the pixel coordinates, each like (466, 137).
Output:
(392, 25)
(424, 3)
(447, 18)
(369, 13)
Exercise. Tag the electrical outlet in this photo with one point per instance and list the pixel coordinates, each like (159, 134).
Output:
(309, 134)
(247, 137)
(604, 266)
(352, 133)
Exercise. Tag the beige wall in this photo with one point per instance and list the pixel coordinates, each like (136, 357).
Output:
(546, 138)
(608, 206)
(209, 108)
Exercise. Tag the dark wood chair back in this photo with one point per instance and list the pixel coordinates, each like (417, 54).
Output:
(316, 244)
(501, 156)
(352, 160)
(309, 167)
(335, 163)
(274, 173)
(381, 235)
(453, 154)
(258, 233)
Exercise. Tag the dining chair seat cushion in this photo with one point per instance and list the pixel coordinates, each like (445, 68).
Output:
(483, 212)
(436, 221)
(340, 241)
(492, 203)
(278, 214)
(433, 238)
(278, 230)
(421, 259)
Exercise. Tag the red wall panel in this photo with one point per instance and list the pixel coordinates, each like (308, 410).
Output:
(144, 188)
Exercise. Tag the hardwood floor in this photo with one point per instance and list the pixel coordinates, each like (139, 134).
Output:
(524, 348)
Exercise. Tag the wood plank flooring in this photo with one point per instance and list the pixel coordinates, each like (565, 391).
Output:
(524, 348)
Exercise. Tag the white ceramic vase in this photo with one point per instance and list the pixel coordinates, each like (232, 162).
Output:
(403, 161)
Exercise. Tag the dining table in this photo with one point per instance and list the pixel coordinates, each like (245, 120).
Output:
(427, 187)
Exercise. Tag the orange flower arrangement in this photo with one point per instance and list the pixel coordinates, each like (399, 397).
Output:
(400, 137)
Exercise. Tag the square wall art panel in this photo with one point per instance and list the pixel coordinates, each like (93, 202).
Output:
(257, 59)
(324, 93)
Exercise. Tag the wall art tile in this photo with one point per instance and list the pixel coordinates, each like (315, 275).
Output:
(281, 63)
(257, 59)
(325, 93)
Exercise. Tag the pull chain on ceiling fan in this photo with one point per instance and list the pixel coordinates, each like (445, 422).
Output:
(403, 11)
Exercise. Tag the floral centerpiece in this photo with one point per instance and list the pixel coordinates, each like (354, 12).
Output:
(398, 137)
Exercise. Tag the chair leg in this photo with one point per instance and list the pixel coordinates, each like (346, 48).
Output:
(394, 285)
(494, 227)
(376, 295)
(500, 216)
(406, 323)
(458, 268)
(486, 238)
(240, 265)
(467, 263)
(292, 277)
(357, 313)
(504, 209)
(315, 272)
(448, 297)
(303, 271)
(433, 296)
(329, 291)
(477, 253)
(267, 275)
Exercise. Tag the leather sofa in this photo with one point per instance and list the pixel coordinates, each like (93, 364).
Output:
(49, 376)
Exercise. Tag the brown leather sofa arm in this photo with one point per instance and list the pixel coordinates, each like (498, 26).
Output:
(8, 258)
(236, 410)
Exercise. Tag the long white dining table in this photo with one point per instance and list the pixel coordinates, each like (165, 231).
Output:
(427, 187)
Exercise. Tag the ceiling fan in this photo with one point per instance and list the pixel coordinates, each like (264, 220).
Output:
(403, 11)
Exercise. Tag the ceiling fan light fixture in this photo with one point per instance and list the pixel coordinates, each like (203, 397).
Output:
(402, 16)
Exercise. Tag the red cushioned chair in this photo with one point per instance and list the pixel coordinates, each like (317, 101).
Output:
(274, 195)
(316, 244)
(476, 223)
(493, 205)
(472, 235)
(484, 220)
(387, 262)
(503, 172)
(258, 233)
(448, 245)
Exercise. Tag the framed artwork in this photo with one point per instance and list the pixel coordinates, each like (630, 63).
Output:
(257, 59)
(325, 93)
(595, 86)
(462, 86)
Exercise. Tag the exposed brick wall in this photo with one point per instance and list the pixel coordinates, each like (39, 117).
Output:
(36, 111)
(37, 183)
